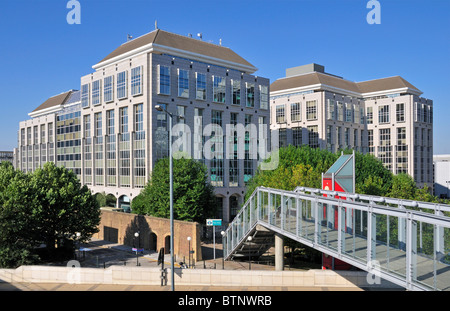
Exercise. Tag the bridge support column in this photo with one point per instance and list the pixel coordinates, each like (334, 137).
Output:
(279, 252)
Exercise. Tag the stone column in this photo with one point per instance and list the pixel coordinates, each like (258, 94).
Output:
(279, 252)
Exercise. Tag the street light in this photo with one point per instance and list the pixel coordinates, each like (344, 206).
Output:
(223, 250)
(77, 246)
(136, 235)
(172, 263)
(189, 240)
(249, 239)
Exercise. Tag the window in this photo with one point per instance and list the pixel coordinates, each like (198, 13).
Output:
(85, 95)
(297, 136)
(136, 81)
(296, 112)
(329, 138)
(236, 89)
(279, 113)
(163, 80)
(250, 94)
(347, 138)
(340, 113)
(331, 114)
(383, 114)
(400, 112)
(311, 110)
(87, 150)
(139, 121)
(161, 139)
(108, 89)
(248, 152)
(122, 85)
(219, 89)
(348, 112)
(98, 149)
(217, 164)
(313, 136)
(200, 86)
(356, 114)
(369, 115)
(124, 149)
(183, 83)
(110, 148)
(96, 93)
(233, 154)
(282, 138)
(263, 97)
(401, 152)
(385, 148)
(198, 135)
(139, 147)
(370, 142)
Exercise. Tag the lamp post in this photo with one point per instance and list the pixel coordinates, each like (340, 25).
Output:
(249, 239)
(136, 235)
(77, 246)
(223, 250)
(172, 264)
(189, 241)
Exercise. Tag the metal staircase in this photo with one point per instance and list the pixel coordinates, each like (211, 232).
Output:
(403, 241)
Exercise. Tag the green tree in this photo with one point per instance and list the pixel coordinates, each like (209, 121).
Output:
(61, 207)
(16, 222)
(193, 195)
(403, 187)
(303, 166)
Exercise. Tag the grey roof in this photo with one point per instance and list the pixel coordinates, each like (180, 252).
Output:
(180, 42)
(75, 96)
(313, 78)
(56, 100)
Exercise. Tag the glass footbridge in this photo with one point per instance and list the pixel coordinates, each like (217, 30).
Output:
(405, 242)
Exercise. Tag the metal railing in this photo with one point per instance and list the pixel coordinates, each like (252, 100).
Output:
(403, 241)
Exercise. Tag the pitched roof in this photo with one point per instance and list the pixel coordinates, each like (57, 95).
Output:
(314, 78)
(168, 39)
(56, 100)
(390, 83)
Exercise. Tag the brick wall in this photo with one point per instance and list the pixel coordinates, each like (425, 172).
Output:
(154, 233)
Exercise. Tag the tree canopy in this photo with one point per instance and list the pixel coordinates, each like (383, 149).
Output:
(47, 206)
(193, 195)
(303, 166)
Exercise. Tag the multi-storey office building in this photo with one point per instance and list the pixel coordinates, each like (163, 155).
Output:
(7, 156)
(52, 134)
(385, 117)
(120, 135)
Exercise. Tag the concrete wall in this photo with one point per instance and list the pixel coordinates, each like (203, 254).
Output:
(120, 228)
(194, 277)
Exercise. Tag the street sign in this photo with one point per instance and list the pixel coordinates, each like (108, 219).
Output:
(214, 222)
(134, 249)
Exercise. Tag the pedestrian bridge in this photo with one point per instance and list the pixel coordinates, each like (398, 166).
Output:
(402, 241)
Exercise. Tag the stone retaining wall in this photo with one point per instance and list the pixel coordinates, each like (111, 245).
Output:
(194, 277)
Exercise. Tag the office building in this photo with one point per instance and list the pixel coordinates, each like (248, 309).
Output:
(441, 163)
(111, 135)
(385, 117)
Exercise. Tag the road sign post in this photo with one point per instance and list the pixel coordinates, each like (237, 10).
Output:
(213, 223)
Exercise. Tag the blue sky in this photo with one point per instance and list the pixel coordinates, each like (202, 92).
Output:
(41, 55)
